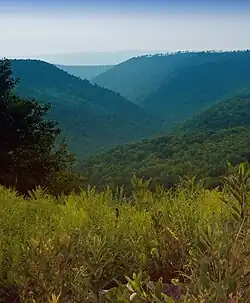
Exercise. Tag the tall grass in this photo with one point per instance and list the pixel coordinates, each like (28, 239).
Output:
(71, 248)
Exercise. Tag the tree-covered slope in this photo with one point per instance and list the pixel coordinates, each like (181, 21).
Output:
(138, 77)
(194, 87)
(92, 118)
(218, 134)
(85, 71)
(177, 86)
(230, 113)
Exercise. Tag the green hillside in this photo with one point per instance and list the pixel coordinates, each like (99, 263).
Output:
(92, 118)
(137, 78)
(177, 86)
(194, 87)
(85, 71)
(200, 147)
(230, 113)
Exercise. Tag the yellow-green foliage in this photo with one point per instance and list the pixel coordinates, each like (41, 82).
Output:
(68, 249)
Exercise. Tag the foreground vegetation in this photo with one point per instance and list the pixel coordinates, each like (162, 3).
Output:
(72, 248)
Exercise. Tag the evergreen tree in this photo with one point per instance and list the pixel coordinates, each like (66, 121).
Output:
(28, 156)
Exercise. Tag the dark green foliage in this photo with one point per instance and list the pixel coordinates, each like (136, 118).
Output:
(92, 118)
(200, 147)
(27, 154)
(85, 71)
(231, 113)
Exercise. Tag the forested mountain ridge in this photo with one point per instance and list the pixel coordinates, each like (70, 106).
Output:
(85, 71)
(194, 87)
(201, 146)
(140, 76)
(92, 118)
(177, 86)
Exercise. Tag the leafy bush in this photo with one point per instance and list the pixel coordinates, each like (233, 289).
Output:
(77, 246)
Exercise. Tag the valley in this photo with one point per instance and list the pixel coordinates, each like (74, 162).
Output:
(177, 86)
(85, 71)
(92, 118)
(171, 89)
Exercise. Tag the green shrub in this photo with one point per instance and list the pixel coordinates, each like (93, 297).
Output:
(80, 244)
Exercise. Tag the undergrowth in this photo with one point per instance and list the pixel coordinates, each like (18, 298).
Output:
(106, 247)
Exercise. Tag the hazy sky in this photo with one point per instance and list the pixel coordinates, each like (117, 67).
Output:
(38, 28)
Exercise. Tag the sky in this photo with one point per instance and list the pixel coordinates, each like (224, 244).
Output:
(109, 31)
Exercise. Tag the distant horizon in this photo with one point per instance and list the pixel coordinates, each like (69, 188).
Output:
(79, 59)
(47, 28)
